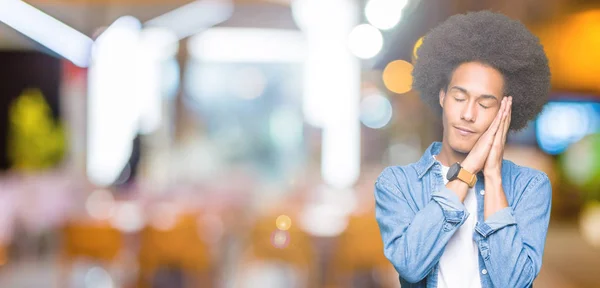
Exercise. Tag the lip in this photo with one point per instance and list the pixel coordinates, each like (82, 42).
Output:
(464, 131)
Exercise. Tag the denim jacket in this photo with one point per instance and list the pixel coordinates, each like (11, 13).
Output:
(417, 216)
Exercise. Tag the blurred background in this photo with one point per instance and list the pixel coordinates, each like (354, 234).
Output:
(178, 143)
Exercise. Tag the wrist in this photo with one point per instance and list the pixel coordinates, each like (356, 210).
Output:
(494, 176)
(459, 188)
(469, 167)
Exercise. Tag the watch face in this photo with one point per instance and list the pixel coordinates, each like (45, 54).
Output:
(453, 172)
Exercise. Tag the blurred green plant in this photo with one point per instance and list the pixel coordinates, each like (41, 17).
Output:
(581, 165)
(35, 140)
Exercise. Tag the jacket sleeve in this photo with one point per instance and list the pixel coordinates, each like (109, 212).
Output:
(414, 239)
(511, 241)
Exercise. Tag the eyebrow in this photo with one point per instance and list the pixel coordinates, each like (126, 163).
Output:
(463, 90)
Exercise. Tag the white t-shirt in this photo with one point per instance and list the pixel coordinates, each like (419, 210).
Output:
(459, 265)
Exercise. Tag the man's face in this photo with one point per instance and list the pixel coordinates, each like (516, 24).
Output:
(470, 103)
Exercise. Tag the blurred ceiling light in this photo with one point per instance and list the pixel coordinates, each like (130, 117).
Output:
(125, 92)
(156, 47)
(375, 111)
(331, 90)
(340, 164)
(384, 14)
(249, 45)
(160, 43)
(194, 17)
(318, 15)
(46, 30)
(365, 41)
(397, 76)
(326, 25)
(125, 27)
(113, 115)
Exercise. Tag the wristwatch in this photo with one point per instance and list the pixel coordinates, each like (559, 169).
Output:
(458, 172)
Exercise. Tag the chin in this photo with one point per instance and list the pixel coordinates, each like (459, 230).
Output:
(463, 147)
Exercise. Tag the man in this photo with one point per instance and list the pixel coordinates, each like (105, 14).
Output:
(462, 216)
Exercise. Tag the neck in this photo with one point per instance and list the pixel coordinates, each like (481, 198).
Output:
(449, 156)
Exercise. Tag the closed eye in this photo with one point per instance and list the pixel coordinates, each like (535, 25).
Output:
(483, 106)
(459, 100)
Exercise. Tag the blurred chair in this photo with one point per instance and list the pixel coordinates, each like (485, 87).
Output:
(97, 241)
(175, 253)
(358, 259)
(277, 258)
(3, 255)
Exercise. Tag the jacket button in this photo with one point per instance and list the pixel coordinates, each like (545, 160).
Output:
(483, 271)
(482, 192)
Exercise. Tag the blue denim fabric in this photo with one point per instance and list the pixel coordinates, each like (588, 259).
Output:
(417, 216)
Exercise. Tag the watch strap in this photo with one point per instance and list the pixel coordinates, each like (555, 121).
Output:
(467, 177)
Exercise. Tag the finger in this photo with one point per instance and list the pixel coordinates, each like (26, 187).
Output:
(495, 141)
(499, 136)
(496, 123)
(507, 121)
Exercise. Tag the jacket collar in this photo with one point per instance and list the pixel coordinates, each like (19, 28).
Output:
(427, 160)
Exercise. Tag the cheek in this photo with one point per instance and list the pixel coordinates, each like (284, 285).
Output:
(487, 120)
(451, 114)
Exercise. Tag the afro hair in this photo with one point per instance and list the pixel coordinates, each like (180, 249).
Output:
(492, 39)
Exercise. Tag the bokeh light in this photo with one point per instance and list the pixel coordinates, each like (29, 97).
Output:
(375, 111)
(164, 216)
(397, 76)
(283, 222)
(248, 83)
(97, 277)
(280, 239)
(100, 204)
(590, 223)
(416, 48)
(384, 14)
(581, 163)
(324, 219)
(564, 123)
(128, 217)
(365, 41)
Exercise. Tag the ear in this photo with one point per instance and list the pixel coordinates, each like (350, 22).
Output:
(442, 96)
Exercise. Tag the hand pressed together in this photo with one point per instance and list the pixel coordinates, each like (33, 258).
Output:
(487, 153)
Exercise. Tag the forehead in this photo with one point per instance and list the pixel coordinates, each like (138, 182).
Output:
(478, 79)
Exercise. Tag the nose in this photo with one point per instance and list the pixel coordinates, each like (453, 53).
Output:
(469, 112)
